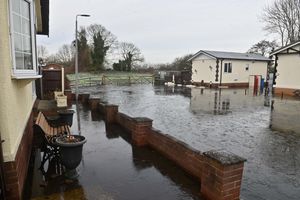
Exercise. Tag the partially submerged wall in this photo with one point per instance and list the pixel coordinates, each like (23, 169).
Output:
(219, 172)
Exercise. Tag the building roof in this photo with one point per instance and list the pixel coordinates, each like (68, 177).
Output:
(285, 48)
(231, 55)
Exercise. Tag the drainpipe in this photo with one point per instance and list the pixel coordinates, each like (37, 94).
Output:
(221, 72)
(2, 181)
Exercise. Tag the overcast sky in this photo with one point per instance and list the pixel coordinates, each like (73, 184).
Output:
(163, 29)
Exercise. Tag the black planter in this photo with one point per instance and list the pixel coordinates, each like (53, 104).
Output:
(71, 154)
(66, 116)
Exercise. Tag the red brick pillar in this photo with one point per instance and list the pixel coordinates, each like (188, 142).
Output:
(111, 112)
(221, 176)
(70, 97)
(141, 127)
(84, 98)
(101, 108)
(93, 103)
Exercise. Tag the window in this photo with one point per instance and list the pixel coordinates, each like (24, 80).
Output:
(228, 67)
(247, 67)
(22, 37)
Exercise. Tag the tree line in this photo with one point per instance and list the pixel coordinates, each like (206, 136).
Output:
(98, 48)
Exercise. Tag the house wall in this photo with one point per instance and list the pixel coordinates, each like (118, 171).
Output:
(201, 69)
(204, 68)
(288, 69)
(16, 102)
(17, 96)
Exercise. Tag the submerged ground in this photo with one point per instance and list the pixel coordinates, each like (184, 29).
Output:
(111, 169)
(233, 120)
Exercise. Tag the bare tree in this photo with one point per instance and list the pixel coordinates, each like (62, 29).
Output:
(65, 54)
(110, 40)
(283, 18)
(42, 51)
(131, 55)
(42, 54)
(263, 47)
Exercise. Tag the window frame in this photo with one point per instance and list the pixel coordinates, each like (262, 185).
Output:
(228, 66)
(21, 73)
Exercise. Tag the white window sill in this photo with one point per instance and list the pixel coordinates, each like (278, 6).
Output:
(26, 77)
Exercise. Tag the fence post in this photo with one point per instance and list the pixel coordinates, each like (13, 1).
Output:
(153, 79)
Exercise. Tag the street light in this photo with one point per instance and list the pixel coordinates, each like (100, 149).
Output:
(76, 71)
(76, 55)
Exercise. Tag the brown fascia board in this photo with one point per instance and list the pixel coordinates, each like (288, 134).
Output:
(44, 7)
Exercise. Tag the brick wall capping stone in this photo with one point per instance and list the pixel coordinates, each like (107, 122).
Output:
(224, 158)
(142, 119)
(94, 98)
(103, 102)
(84, 95)
(111, 105)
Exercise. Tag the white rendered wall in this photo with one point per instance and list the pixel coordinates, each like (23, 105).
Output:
(204, 68)
(16, 95)
(289, 71)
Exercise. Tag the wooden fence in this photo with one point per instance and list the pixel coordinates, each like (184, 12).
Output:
(113, 80)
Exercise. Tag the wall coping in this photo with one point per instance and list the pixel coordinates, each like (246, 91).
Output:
(224, 157)
(94, 98)
(142, 119)
(111, 105)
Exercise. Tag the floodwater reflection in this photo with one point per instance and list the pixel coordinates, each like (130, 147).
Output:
(113, 169)
(285, 115)
(235, 120)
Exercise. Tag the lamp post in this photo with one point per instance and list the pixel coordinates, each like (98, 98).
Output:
(76, 71)
(76, 54)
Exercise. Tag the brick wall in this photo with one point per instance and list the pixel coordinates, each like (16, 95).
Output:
(221, 176)
(125, 120)
(15, 172)
(219, 172)
(187, 158)
(101, 108)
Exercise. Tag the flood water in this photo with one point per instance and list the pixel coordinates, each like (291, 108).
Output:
(231, 120)
(111, 169)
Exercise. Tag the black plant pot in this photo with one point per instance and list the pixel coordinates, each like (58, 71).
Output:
(71, 153)
(66, 116)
